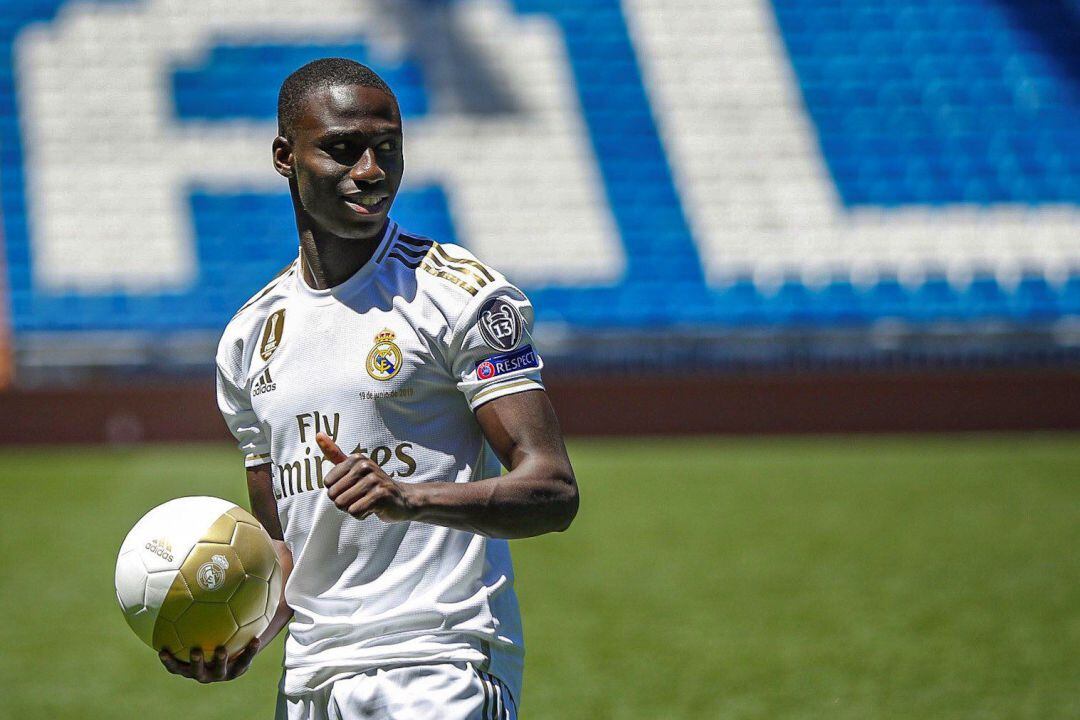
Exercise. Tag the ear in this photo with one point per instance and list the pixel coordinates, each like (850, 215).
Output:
(283, 157)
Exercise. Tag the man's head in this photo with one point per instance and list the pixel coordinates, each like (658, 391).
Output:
(339, 144)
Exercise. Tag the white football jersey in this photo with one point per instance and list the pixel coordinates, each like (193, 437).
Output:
(391, 363)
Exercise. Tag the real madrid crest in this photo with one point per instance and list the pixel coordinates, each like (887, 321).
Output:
(211, 575)
(384, 360)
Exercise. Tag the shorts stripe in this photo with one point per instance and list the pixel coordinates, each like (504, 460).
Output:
(500, 709)
(487, 698)
(510, 695)
(495, 694)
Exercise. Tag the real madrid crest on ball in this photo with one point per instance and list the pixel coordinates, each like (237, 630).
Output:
(384, 360)
(211, 575)
(198, 572)
(500, 324)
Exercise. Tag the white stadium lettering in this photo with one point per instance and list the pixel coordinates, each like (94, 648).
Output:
(118, 95)
(758, 195)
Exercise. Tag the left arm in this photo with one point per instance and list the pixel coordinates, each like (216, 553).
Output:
(538, 495)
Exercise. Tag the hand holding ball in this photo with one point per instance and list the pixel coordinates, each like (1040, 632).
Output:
(198, 573)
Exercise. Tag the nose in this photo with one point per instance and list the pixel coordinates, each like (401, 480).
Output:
(367, 168)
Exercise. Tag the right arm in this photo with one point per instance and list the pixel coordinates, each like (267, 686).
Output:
(260, 481)
(234, 401)
(220, 666)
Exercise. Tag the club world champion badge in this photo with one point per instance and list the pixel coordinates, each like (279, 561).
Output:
(384, 360)
(271, 335)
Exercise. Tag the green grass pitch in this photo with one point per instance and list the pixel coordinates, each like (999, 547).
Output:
(907, 577)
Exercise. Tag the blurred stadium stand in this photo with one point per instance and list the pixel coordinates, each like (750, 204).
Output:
(682, 187)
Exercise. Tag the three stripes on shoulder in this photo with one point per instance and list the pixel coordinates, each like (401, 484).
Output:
(423, 253)
(430, 256)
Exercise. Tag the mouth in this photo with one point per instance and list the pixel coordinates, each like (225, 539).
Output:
(367, 203)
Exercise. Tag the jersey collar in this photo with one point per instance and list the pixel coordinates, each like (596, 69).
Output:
(358, 279)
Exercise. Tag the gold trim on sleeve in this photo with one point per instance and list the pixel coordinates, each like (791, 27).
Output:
(452, 279)
(514, 384)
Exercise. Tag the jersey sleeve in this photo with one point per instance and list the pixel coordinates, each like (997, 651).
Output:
(234, 401)
(492, 350)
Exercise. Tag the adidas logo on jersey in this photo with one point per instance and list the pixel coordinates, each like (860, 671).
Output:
(264, 384)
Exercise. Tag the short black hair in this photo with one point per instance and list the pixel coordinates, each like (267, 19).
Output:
(326, 72)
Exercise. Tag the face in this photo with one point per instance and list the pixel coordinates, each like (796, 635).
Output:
(345, 156)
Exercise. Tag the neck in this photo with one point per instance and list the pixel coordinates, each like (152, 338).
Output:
(328, 260)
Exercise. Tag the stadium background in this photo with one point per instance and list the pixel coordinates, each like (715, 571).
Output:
(738, 216)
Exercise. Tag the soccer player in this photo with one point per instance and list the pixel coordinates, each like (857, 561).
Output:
(362, 383)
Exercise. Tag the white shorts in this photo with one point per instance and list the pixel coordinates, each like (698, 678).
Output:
(447, 691)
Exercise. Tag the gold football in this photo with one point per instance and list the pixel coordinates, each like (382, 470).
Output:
(198, 572)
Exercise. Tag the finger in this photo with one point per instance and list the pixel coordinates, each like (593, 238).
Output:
(336, 473)
(358, 469)
(173, 665)
(378, 497)
(342, 469)
(330, 449)
(220, 664)
(241, 662)
(198, 666)
(368, 504)
(355, 492)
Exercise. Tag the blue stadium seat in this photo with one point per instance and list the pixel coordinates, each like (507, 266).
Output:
(1069, 300)
(927, 103)
(984, 299)
(888, 298)
(1035, 299)
(840, 303)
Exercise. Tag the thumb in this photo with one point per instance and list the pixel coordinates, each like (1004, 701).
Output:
(330, 449)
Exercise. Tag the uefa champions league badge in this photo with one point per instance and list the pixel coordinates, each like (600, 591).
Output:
(500, 324)
(384, 360)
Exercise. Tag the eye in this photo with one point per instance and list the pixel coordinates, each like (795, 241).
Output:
(387, 145)
(339, 146)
